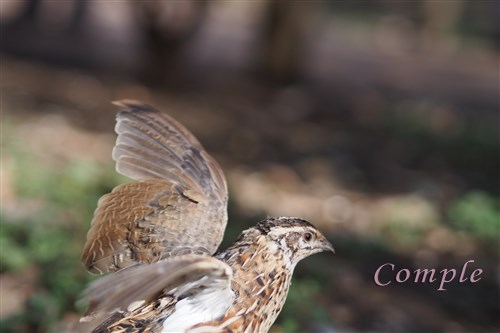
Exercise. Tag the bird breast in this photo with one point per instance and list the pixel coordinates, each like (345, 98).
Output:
(260, 285)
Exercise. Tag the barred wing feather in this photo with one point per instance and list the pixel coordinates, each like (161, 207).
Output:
(178, 204)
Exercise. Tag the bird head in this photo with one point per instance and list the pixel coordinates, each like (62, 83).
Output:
(294, 237)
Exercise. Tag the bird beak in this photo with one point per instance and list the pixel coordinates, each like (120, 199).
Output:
(327, 246)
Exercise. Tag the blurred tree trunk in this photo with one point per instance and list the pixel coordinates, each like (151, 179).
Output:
(166, 26)
(30, 13)
(283, 39)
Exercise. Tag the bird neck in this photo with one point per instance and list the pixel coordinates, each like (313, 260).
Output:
(263, 275)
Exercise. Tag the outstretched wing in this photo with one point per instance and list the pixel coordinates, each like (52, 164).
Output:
(178, 205)
(175, 294)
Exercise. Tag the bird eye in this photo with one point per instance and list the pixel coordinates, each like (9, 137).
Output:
(308, 236)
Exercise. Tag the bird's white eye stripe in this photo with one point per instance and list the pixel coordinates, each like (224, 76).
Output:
(286, 230)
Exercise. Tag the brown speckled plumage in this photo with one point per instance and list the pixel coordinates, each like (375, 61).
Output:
(159, 235)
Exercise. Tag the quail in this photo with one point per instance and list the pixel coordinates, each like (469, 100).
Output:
(158, 237)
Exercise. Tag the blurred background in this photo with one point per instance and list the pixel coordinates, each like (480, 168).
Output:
(377, 121)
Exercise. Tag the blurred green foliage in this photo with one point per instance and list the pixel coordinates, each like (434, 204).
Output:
(302, 303)
(478, 213)
(43, 231)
